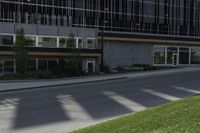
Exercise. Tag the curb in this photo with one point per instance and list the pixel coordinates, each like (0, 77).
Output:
(44, 86)
(81, 82)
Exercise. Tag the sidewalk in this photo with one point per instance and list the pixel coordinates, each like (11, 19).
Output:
(20, 85)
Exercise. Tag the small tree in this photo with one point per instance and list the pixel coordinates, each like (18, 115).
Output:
(74, 65)
(71, 41)
(20, 52)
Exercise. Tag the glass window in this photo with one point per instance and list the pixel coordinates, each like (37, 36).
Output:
(1, 66)
(195, 56)
(80, 43)
(63, 42)
(184, 56)
(159, 55)
(52, 65)
(91, 43)
(6, 40)
(48, 42)
(42, 65)
(31, 65)
(30, 40)
(170, 52)
(9, 66)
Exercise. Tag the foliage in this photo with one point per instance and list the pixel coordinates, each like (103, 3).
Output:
(29, 76)
(20, 52)
(71, 41)
(145, 67)
(74, 63)
(29, 42)
(45, 75)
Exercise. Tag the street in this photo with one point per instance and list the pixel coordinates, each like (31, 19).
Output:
(60, 109)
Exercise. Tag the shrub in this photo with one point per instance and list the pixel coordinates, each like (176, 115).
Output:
(145, 67)
(45, 75)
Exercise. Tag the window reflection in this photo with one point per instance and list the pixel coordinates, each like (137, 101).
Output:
(91, 43)
(80, 43)
(30, 40)
(6, 39)
(47, 42)
(195, 56)
(159, 55)
(183, 55)
(170, 52)
(63, 42)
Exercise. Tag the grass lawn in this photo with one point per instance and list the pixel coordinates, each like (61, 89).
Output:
(175, 117)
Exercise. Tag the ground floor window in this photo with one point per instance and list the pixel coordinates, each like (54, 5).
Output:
(42, 65)
(53, 65)
(31, 65)
(159, 55)
(1, 66)
(184, 56)
(176, 55)
(172, 55)
(9, 66)
(195, 56)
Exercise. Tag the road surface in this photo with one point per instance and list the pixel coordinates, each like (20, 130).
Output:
(65, 108)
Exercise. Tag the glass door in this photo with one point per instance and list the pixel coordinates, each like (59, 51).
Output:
(90, 66)
(172, 55)
(175, 59)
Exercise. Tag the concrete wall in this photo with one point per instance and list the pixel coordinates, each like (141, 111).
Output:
(118, 53)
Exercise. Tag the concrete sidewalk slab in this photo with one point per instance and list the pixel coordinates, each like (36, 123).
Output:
(9, 86)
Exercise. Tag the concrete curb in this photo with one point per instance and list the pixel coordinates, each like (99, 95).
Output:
(90, 80)
(44, 86)
(71, 78)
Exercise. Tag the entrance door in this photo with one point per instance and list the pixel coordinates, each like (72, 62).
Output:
(90, 66)
(175, 59)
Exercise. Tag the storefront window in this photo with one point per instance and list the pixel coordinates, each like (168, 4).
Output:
(9, 66)
(91, 43)
(31, 65)
(47, 42)
(159, 55)
(184, 56)
(195, 56)
(6, 40)
(30, 40)
(53, 65)
(170, 53)
(1, 66)
(42, 65)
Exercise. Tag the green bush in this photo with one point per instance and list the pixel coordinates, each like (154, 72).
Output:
(145, 67)
(105, 69)
(27, 76)
(45, 75)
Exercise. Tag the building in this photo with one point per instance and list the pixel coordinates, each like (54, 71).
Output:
(155, 32)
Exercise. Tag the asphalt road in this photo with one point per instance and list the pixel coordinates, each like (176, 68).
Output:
(64, 108)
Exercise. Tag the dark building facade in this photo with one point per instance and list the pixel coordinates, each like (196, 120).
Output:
(171, 17)
(156, 32)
